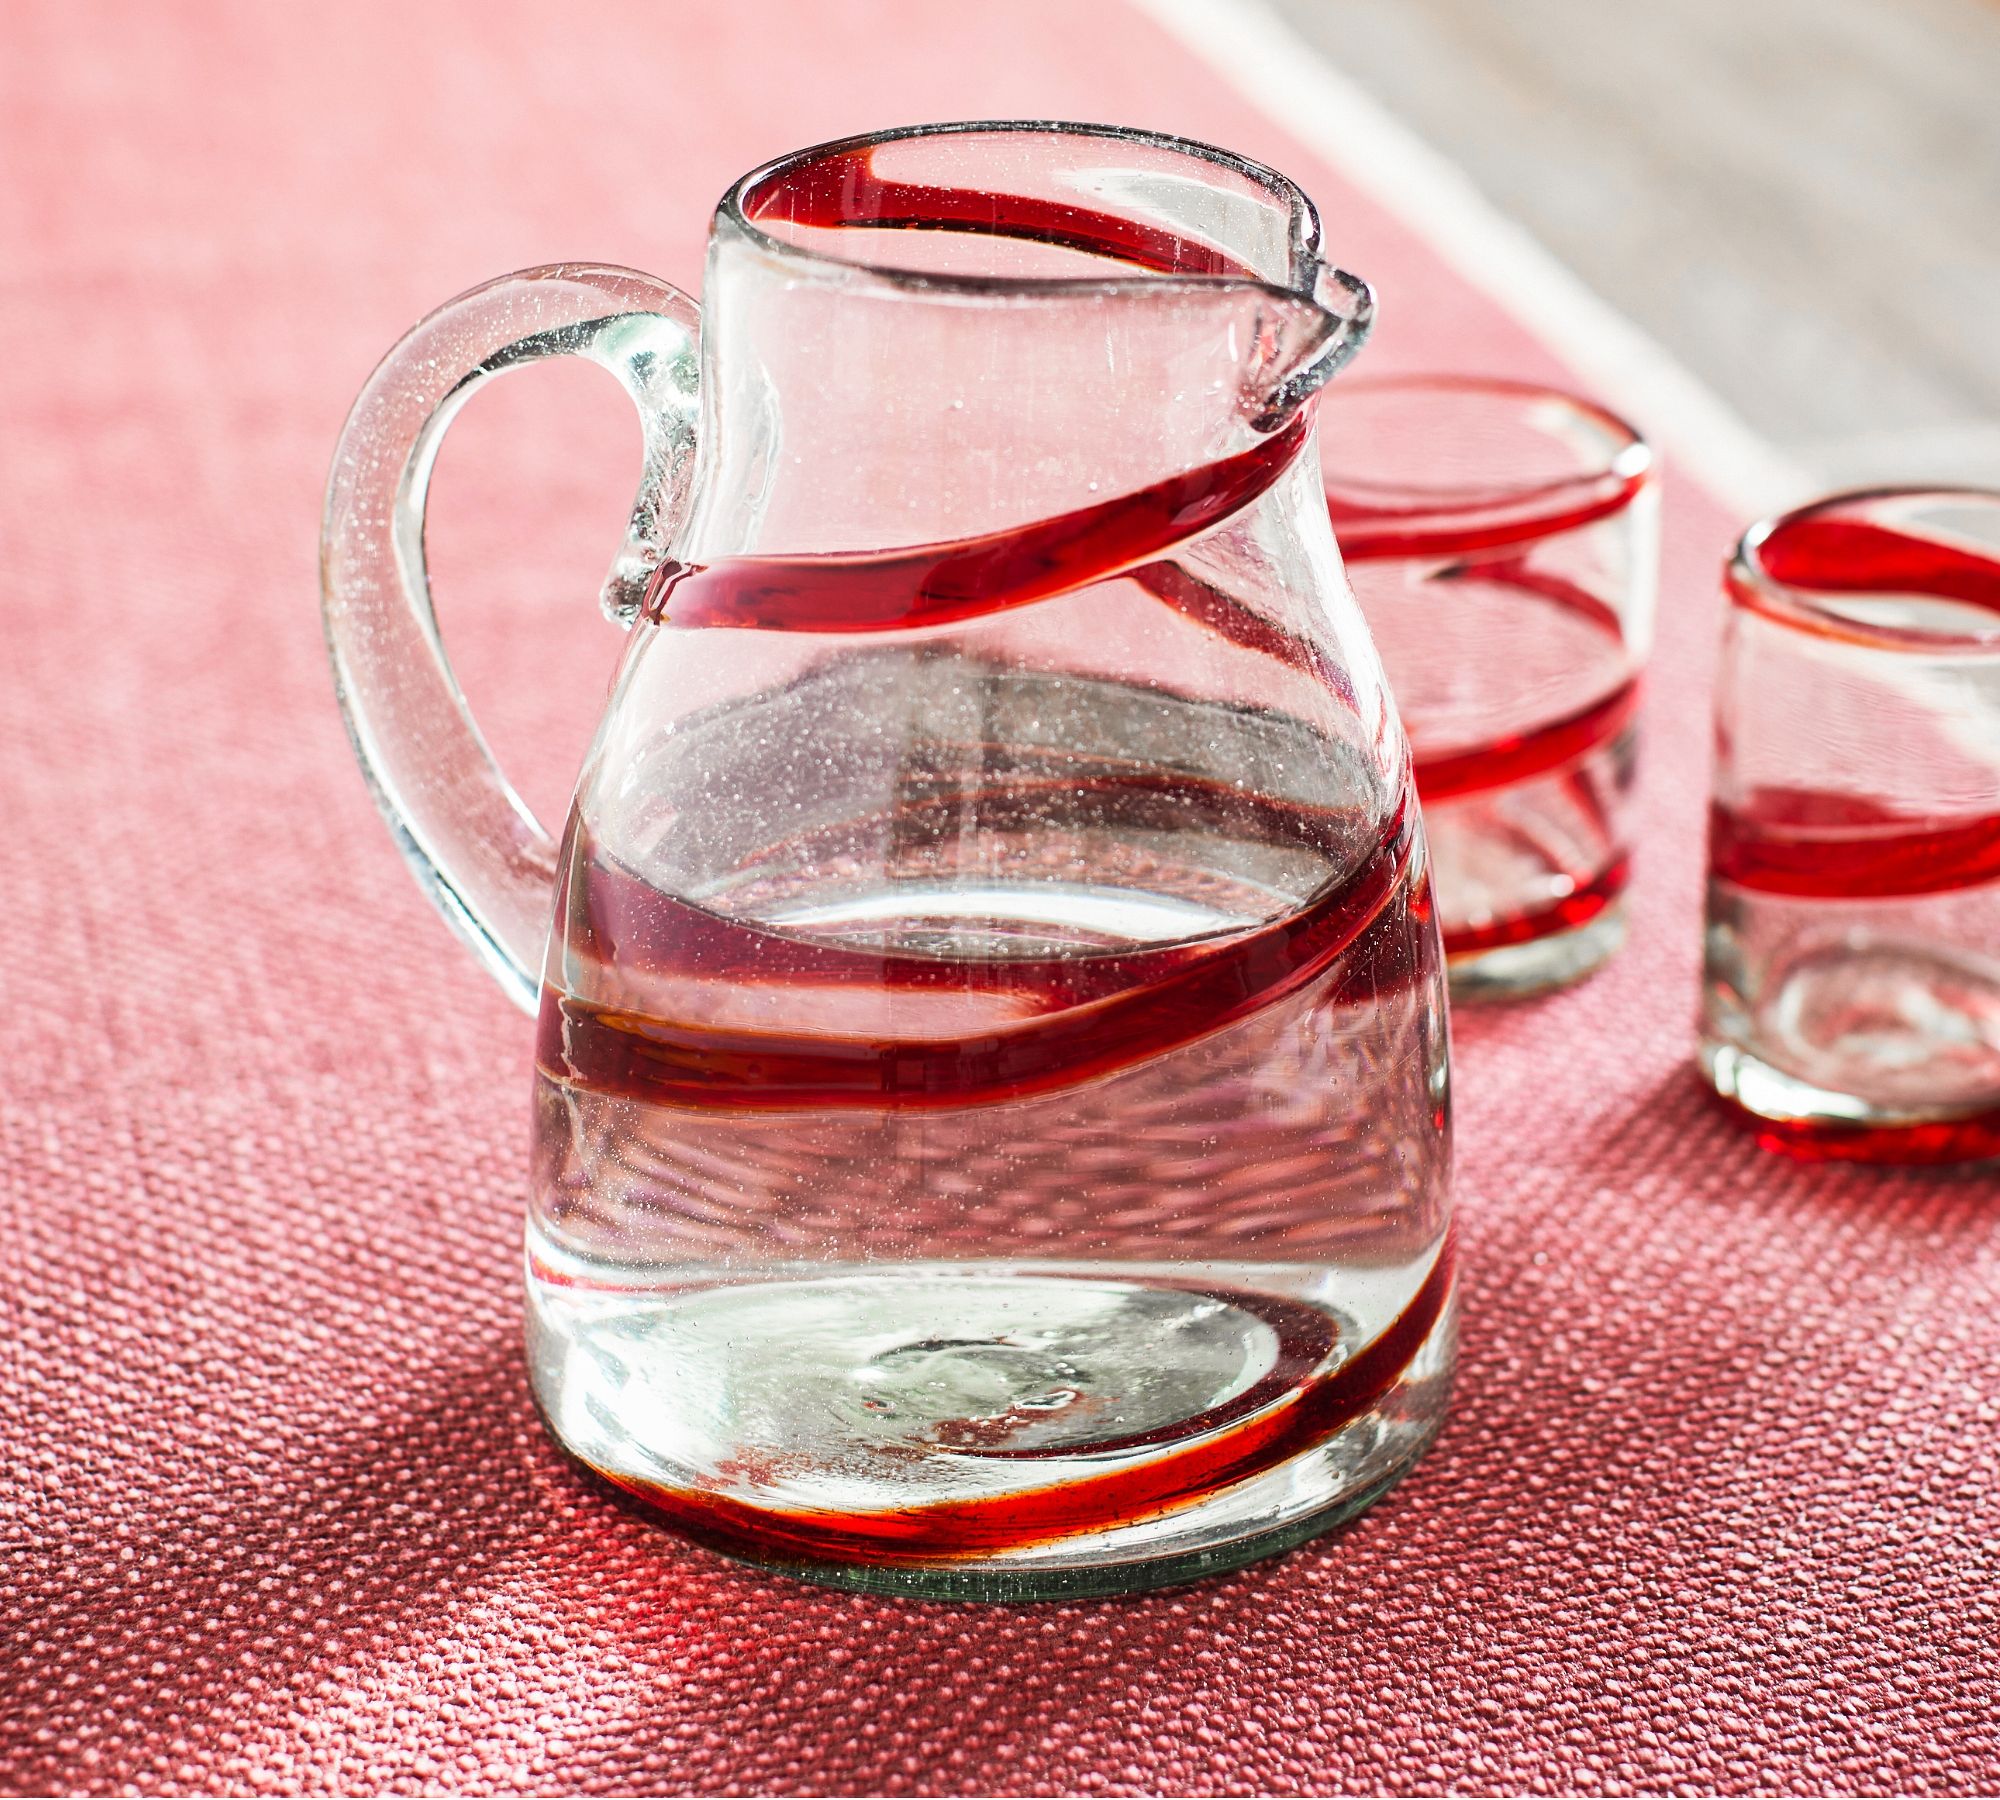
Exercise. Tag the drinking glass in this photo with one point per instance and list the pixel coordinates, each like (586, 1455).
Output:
(991, 1122)
(1503, 540)
(1851, 1004)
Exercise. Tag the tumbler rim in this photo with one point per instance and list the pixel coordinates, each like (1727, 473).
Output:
(1629, 458)
(1402, 517)
(1752, 586)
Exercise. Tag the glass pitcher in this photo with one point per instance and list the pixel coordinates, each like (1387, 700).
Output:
(991, 1128)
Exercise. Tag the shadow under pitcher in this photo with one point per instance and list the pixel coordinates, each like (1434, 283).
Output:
(991, 1113)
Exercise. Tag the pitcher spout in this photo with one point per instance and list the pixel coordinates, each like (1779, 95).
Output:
(1302, 340)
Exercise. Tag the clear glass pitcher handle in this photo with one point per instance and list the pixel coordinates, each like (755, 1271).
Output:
(477, 850)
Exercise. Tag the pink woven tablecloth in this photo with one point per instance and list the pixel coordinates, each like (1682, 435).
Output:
(1719, 1503)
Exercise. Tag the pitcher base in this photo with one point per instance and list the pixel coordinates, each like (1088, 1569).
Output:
(1083, 1580)
(987, 1435)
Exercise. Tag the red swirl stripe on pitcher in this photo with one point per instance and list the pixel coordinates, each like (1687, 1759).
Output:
(968, 578)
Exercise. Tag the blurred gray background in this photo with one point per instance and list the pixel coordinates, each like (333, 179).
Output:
(1799, 198)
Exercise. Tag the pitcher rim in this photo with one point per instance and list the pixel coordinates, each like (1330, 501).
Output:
(1303, 216)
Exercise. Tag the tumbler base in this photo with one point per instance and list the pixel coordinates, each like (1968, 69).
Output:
(1513, 971)
(1818, 1125)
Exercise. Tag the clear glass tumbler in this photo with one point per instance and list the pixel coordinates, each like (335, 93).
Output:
(1503, 541)
(1852, 994)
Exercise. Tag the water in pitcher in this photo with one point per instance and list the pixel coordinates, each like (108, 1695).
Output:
(868, 1188)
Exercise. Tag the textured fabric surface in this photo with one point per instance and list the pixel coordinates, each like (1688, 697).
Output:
(1718, 1506)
